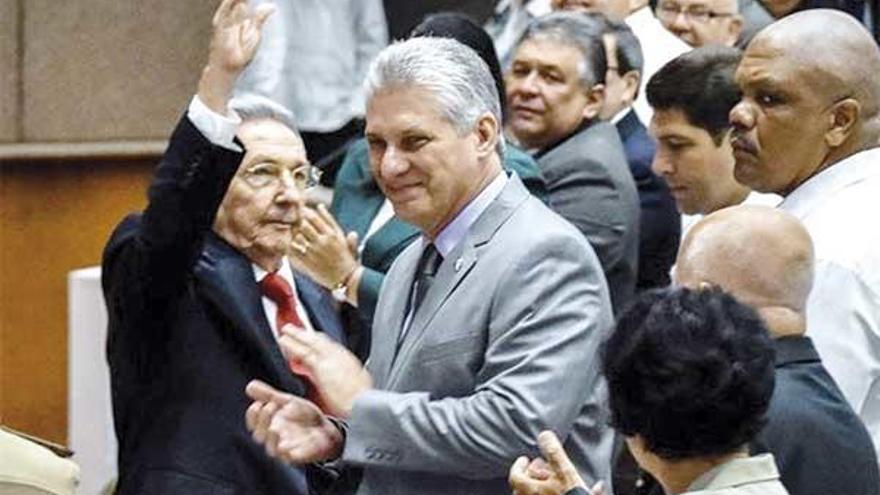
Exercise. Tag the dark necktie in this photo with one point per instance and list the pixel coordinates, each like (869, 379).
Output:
(425, 271)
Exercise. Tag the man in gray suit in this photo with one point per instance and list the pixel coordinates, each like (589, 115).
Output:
(486, 330)
(555, 92)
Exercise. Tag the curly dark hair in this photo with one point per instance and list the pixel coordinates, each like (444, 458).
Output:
(690, 371)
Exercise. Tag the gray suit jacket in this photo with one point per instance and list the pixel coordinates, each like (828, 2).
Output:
(590, 185)
(504, 345)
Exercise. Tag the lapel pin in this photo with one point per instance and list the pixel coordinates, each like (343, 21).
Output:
(458, 264)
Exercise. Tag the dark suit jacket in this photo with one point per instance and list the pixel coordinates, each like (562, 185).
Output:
(590, 186)
(819, 443)
(356, 201)
(187, 332)
(660, 223)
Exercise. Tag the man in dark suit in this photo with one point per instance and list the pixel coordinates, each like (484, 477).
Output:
(188, 326)
(764, 258)
(660, 226)
(554, 95)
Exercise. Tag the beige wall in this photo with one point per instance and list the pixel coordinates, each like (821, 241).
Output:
(9, 97)
(94, 73)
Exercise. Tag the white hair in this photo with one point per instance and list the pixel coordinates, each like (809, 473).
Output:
(458, 78)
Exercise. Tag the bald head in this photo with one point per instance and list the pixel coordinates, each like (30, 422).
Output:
(761, 255)
(847, 63)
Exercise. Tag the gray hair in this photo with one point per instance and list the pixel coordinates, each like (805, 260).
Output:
(459, 79)
(250, 106)
(575, 29)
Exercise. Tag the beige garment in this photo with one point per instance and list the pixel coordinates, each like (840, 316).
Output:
(27, 468)
(744, 476)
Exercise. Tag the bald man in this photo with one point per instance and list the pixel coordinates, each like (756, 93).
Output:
(808, 127)
(764, 258)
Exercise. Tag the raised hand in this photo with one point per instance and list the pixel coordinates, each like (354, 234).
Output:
(554, 474)
(235, 37)
(292, 429)
(337, 375)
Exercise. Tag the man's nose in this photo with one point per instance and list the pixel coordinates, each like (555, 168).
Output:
(661, 165)
(393, 162)
(680, 21)
(289, 191)
(741, 116)
(527, 85)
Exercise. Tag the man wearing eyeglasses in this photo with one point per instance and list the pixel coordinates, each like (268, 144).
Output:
(198, 286)
(700, 22)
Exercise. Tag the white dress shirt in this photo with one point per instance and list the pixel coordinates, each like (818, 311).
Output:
(839, 207)
(659, 46)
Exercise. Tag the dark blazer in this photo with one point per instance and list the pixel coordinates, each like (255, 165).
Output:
(660, 222)
(187, 331)
(590, 186)
(820, 444)
(356, 201)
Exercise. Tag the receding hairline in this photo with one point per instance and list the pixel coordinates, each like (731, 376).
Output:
(755, 248)
(849, 60)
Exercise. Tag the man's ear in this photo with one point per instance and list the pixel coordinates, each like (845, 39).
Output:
(842, 120)
(734, 29)
(487, 134)
(595, 102)
(632, 80)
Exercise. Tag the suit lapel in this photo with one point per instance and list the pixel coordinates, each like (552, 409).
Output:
(321, 310)
(394, 297)
(456, 267)
(226, 278)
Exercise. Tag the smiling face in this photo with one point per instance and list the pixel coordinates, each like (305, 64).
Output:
(699, 172)
(546, 97)
(779, 125)
(423, 164)
(263, 204)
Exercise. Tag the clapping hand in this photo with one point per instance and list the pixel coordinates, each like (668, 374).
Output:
(554, 474)
(291, 428)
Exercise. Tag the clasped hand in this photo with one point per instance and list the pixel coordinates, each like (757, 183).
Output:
(294, 429)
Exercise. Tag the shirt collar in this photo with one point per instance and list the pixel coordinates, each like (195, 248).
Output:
(455, 231)
(737, 472)
(285, 271)
(840, 175)
(797, 349)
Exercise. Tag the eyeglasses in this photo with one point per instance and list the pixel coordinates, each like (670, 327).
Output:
(265, 175)
(669, 11)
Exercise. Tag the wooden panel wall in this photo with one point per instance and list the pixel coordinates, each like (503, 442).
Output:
(54, 217)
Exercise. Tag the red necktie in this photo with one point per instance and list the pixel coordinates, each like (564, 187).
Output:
(279, 291)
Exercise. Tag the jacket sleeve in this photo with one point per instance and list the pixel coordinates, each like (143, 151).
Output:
(549, 311)
(150, 257)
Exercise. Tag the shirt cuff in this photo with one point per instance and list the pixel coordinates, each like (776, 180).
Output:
(219, 129)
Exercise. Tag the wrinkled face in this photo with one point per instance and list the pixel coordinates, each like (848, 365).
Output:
(701, 22)
(779, 125)
(698, 171)
(616, 10)
(425, 167)
(262, 206)
(546, 98)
